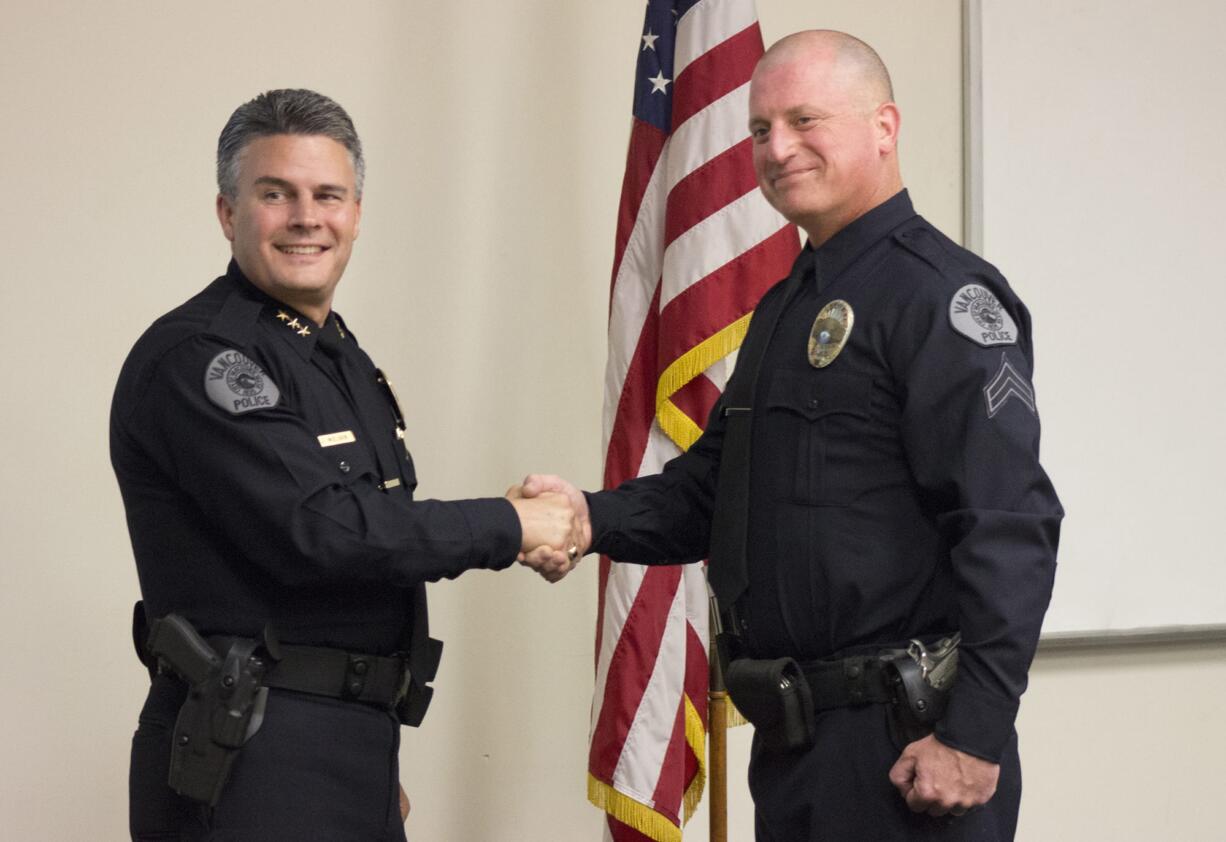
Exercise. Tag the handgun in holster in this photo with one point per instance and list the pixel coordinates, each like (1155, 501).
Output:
(922, 677)
(224, 706)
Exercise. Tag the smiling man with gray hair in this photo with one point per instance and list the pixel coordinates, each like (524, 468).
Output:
(263, 463)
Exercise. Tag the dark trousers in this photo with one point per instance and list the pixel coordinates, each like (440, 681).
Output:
(318, 769)
(839, 790)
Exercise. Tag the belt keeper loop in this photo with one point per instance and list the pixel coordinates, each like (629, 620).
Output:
(854, 672)
(355, 677)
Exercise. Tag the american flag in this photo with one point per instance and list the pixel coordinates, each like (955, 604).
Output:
(696, 247)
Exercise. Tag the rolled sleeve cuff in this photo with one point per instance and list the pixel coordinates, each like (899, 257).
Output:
(977, 722)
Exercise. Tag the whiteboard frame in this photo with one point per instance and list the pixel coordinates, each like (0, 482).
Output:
(972, 125)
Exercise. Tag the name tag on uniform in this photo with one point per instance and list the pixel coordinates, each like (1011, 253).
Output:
(331, 439)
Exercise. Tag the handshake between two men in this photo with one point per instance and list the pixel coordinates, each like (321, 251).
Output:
(553, 517)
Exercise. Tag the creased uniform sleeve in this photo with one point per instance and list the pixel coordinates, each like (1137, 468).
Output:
(971, 431)
(262, 479)
(665, 517)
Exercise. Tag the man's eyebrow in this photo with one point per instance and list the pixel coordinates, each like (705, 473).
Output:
(795, 110)
(273, 181)
(805, 108)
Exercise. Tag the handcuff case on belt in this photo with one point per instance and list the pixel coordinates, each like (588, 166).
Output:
(774, 696)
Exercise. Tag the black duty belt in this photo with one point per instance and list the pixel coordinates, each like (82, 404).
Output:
(859, 680)
(334, 673)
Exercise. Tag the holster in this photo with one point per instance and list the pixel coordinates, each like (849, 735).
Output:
(922, 679)
(411, 708)
(224, 706)
(774, 696)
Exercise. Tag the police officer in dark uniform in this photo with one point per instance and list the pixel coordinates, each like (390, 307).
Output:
(868, 489)
(269, 497)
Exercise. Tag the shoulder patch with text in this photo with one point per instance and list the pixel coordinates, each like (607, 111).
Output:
(978, 315)
(238, 385)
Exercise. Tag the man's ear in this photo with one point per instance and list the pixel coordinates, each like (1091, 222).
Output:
(225, 215)
(887, 121)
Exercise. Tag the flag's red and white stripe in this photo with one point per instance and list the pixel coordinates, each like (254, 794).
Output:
(696, 247)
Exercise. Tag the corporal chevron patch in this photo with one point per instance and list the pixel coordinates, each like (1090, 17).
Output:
(1008, 383)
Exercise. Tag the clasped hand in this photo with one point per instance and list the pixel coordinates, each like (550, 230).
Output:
(553, 517)
(937, 779)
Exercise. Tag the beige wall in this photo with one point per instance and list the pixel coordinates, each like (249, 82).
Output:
(496, 134)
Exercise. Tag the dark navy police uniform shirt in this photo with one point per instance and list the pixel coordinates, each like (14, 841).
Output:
(895, 493)
(264, 480)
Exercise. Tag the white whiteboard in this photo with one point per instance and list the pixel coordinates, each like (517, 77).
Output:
(1096, 154)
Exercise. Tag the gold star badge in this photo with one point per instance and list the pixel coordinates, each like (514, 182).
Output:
(295, 324)
(282, 315)
(306, 331)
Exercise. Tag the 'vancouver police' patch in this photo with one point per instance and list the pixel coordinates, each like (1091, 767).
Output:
(238, 385)
(976, 314)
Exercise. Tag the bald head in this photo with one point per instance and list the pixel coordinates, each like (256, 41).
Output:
(854, 63)
(825, 130)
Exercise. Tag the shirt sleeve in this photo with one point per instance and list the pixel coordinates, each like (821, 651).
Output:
(970, 428)
(263, 483)
(663, 518)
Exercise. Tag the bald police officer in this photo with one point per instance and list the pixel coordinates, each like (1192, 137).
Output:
(867, 488)
(269, 496)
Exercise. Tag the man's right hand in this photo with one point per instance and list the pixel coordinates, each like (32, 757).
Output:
(535, 484)
(552, 535)
(937, 779)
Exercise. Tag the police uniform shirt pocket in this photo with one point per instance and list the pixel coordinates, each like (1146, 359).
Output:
(327, 459)
(349, 460)
(812, 422)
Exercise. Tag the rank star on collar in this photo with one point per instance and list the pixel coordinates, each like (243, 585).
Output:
(293, 323)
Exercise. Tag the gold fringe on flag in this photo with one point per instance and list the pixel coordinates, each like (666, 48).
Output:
(630, 812)
(643, 818)
(676, 424)
(696, 736)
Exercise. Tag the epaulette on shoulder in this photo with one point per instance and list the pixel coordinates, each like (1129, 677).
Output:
(925, 245)
(235, 321)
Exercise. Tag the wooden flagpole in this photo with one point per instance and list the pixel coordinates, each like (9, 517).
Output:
(717, 719)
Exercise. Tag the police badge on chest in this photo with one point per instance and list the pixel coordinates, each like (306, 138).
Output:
(830, 331)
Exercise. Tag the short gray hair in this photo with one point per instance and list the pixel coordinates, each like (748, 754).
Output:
(285, 111)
